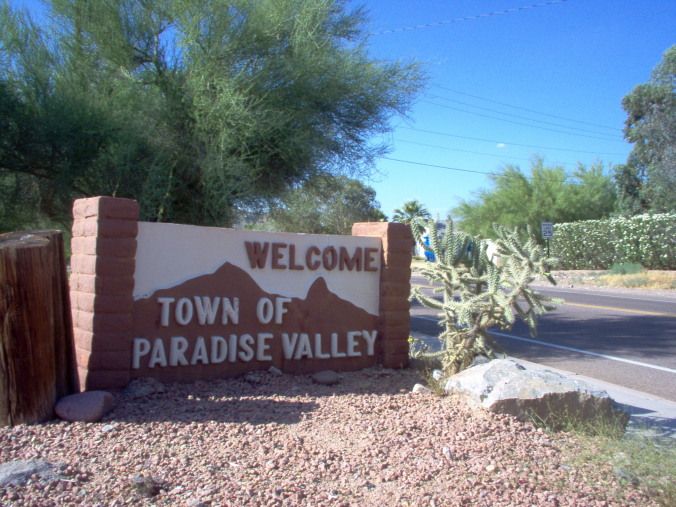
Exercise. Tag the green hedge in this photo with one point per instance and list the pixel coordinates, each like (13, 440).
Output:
(649, 240)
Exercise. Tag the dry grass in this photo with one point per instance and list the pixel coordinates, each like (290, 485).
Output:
(655, 280)
(636, 460)
(646, 280)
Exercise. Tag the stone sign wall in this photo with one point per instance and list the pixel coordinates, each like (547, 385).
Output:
(182, 303)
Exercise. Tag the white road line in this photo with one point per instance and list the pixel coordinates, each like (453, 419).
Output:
(587, 352)
(563, 347)
(545, 288)
(425, 317)
(602, 294)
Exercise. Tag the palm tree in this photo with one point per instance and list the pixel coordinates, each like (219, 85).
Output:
(412, 213)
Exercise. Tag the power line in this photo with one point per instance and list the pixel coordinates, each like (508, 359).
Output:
(458, 169)
(537, 147)
(514, 122)
(474, 152)
(468, 18)
(526, 109)
(439, 166)
(545, 122)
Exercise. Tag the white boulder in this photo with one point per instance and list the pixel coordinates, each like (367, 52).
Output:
(505, 386)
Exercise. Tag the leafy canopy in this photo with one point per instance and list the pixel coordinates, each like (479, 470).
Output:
(548, 195)
(324, 205)
(412, 213)
(199, 109)
(648, 180)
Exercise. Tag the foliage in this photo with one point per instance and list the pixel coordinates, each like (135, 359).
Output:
(573, 420)
(629, 182)
(548, 195)
(324, 205)
(626, 268)
(648, 181)
(478, 294)
(412, 213)
(598, 244)
(198, 109)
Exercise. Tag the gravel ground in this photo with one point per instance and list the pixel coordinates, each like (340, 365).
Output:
(287, 441)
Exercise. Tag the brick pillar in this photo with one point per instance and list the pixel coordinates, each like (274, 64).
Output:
(101, 288)
(395, 285)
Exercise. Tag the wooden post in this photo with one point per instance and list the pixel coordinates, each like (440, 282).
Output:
(36, 335)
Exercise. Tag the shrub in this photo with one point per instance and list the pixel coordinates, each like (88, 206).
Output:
(648, 240)
(478, 294)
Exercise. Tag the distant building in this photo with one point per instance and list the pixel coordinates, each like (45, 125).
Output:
(428, 255)
(419, 251)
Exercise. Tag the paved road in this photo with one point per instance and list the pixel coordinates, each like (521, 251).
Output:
(625, 339)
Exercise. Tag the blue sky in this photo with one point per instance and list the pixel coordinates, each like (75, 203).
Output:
(573, 60)
(505, 79)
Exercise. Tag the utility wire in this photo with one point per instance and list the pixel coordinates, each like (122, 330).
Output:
(514, 122)
(526, 109)
(439, 166)
(528, 118)
(449, 168)
(440, 147)
(468, 18)
(482, 139)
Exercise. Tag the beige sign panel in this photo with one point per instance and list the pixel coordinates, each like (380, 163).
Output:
(213, 300)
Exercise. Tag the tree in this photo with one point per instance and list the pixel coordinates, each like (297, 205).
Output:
(548, 195)
(630, 182)
(197, 109)
(648, 180)
(324, 205)
(412, 213)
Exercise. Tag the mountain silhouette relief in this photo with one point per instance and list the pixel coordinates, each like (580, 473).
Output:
(320, 312)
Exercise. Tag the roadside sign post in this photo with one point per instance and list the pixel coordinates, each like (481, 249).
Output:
(547, 230)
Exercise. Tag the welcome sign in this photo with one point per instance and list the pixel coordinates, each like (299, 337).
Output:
(220, 299)
(181, 303)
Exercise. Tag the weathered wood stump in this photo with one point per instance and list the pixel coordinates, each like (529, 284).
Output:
(37, 364)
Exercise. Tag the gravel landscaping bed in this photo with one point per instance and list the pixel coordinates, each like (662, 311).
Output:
(284, 440)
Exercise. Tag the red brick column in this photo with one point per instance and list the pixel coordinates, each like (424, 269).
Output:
(395, 286)
(101, 288)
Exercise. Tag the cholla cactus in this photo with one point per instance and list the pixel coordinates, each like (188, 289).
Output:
(480, 293)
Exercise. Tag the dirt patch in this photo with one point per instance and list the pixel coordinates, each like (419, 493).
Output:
(288, 441)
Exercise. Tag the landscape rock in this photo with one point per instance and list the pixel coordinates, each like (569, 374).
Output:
(421, 389)
(142, 387)
(437, 375)
(326, 377)
(89, 406)
(253, 378)
(108, 428)
(507, 387)
(146, 486)
(17, 473)
(448, 454)
(273, 370)
(480, 359)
